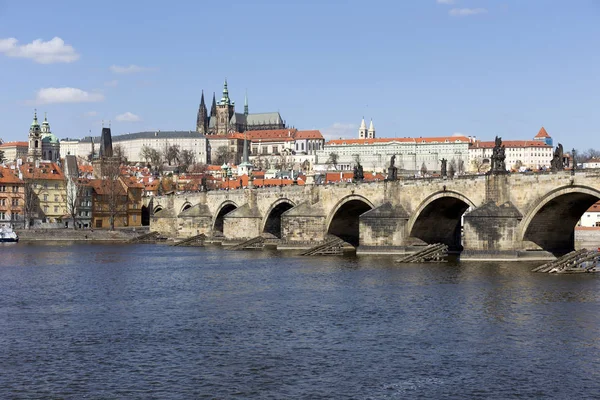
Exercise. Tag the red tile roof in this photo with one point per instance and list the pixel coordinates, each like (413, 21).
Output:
(49, 171)
(18, 144)
(512, 143)
(7, 175)
(314, 134)
(441, 139)
(542, 134)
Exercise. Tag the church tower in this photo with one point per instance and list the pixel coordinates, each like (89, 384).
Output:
(371, 132)
(225, 110)
(202, 118)
(34, 151)
(362, 131)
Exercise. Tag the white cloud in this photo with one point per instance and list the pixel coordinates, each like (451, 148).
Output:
(130, 69)
(465, 12)
(90, 114)
(66, 95)
(112, 83)
(340, 130)
(445, 1)
(52, 51)
(128, 117)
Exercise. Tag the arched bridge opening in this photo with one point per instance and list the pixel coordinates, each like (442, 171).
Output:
(273, 221)
(440, 221)
(345, 222)
(220, 218)
(145, 216)
(552, 224)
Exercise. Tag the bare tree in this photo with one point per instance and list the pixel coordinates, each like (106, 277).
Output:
(75, 191)
(172, 154)
(198, 168)
(333, 160)
(31, 208)
(186, 159)
(423, 169)
(460, 168)
(452, 168)
(119, 153)
(480, 164)
(114, 195)
(223, 155)
(518, 164)
(146, 153)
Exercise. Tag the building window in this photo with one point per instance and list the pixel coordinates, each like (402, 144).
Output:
(55, 197)
(56, 186)
(2, 188)
(98, 223)
(55, 209)
(2, 202)
(45, 209)
(45, 197)
(135, 218)
(2, 215)
(15, 189)
(15, 202)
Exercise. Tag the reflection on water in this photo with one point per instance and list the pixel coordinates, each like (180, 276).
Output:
(142, 321)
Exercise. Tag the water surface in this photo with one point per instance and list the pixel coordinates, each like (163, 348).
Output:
(157, 322)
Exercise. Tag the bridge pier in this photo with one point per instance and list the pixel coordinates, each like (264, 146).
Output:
(382, 230)
(303, 226)
(242, 223)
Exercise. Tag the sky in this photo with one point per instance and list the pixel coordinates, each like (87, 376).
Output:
(415, 67)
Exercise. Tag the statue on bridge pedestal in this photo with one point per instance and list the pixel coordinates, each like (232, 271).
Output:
(358, 172)
(443, 170)
(392, 170)
(557, 160)
(498, 164)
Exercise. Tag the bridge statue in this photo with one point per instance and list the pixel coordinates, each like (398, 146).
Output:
(444, 171)
(557, 160)
(358, 172)
(392, 170)
(498, 165)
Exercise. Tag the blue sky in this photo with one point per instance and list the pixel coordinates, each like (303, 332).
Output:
(416, 67)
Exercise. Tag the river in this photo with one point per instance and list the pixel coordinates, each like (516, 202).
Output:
(100, 321)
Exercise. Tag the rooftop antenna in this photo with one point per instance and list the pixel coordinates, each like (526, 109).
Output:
(103, 123)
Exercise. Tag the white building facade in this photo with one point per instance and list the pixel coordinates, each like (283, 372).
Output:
(413, 155)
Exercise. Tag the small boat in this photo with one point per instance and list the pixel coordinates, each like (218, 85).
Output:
(7, 235)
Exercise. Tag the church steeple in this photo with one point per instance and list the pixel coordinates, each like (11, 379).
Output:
(362, 131)
(202, 119)
(371, 133)
(225, 99)
(45, 124)
(246, 104)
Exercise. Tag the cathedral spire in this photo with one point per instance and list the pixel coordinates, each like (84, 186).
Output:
(362, 131)
(35, 120)
(202, 118)
(213, 108)
(246, 104)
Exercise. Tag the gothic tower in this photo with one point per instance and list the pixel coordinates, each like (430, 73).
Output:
(246, 105)
(34, 151)
(362, 131)
(213, 107)
(202, 119)
(225, 110)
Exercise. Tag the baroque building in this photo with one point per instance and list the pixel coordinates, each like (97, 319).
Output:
(43, 145)
(223, 119)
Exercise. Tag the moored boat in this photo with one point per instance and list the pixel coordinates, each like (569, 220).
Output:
(7, 235)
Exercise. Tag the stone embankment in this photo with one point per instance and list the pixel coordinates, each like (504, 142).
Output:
(87, 235)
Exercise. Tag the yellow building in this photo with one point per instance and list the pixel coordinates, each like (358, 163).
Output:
(45, 193)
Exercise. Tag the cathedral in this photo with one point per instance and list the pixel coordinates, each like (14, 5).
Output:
(43, 145)
(223, 119)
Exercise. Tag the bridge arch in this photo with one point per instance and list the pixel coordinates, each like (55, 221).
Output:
(551, 222)
(438, 218)
(343, 221)
(225, 208)
(272, 221)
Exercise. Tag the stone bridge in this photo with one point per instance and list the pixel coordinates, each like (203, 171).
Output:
(509, 216)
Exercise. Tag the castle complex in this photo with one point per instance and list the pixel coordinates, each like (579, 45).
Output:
(223, 119)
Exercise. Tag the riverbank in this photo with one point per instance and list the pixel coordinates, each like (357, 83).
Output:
(87, 235)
